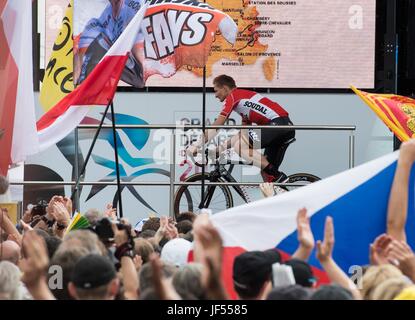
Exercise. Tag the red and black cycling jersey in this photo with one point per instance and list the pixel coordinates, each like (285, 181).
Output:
(253, 107)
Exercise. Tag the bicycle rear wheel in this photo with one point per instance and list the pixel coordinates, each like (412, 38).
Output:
(187, 198)
(303, 178)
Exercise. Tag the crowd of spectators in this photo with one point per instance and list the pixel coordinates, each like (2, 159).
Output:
(166, 259)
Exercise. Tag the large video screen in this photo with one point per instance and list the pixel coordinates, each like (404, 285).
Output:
(315, 44)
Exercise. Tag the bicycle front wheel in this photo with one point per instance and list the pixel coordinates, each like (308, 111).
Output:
(188, 198)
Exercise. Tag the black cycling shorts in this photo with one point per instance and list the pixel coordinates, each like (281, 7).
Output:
(272, 140)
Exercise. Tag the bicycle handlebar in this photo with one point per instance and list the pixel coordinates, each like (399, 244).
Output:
(198, 164)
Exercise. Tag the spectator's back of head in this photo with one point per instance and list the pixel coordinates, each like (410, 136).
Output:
(188, 282)
(149, 294)
(251, 271)
(146, 234)
(303, 273)
(52, 244)
(190, 216)
(390, 288)
(94, 278)
(9, 251)
(332, 292)
(152, 223)
(85, 239)
(10, 286)
(184, 226)
(93, 216)
(294, 292)
(66, 258)
(145, 275)
(374, 276)
(143, 248)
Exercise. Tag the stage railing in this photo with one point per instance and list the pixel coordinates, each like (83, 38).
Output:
(173, 183)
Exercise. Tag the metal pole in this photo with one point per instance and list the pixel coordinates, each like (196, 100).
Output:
(117, 168)
(202, 197)
(351, 149)
(164, 126)
(81, 174)
(76, 164)
(149, 183)
(172, 173)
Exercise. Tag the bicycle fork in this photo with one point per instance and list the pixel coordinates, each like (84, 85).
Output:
(208, 195)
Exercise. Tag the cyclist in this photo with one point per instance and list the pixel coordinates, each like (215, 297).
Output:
(100, 33)
(254, 108)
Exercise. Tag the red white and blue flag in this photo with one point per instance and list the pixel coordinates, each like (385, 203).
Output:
(357, 200)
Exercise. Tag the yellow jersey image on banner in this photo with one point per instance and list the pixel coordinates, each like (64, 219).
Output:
(58, 78)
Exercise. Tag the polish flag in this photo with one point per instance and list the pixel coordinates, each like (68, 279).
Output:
(97, 89)
(18, 137)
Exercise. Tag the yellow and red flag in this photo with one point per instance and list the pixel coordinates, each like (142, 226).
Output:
(397, 112)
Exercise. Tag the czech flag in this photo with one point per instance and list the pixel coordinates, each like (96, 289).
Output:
(357, 200)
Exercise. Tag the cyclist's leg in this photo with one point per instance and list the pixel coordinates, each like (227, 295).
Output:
(245, 147)
(275, 152)
(241, 145)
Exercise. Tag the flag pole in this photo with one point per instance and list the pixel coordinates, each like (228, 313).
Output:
(117, 168)
(202, 197)
(82, 172)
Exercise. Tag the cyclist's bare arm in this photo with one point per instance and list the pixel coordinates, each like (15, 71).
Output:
(211, 133)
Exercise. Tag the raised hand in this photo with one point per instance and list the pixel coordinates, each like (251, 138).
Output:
(68, 204)
(171, 231)
(305, 235)
(110, 212)
(378, 250)
(207, 250)
(163, 287)
(35, 259)
(120, 236)
(60, 212)
(401, 255)
(49, 208)
(325, 248)
(267, 189)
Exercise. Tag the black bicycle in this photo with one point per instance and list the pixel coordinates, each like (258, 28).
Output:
(219, 197)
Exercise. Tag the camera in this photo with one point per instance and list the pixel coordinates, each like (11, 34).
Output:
(103, 229)
(39, 209)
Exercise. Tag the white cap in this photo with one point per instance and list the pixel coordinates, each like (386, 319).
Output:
(176, 252)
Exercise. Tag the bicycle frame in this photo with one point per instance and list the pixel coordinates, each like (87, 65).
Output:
(220, 172)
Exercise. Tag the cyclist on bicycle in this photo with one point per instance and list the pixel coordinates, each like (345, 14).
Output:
(254, 108)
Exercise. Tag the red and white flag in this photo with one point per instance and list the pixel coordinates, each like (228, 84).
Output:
(97, 89)
(18, 137)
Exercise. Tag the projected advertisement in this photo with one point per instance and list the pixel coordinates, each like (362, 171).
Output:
(278, 44)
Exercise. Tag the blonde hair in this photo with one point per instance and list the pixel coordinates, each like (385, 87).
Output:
(376, 275)
(390, 288)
